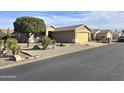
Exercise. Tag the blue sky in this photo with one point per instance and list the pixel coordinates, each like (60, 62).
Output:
(94, 19)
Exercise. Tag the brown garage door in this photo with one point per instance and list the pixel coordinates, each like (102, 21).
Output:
(82, 38)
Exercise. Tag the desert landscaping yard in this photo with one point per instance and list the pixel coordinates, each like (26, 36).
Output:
(39, 54)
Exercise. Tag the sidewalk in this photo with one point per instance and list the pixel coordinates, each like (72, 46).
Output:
(69, 48)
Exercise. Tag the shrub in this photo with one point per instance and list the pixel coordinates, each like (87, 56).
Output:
(15, 49)
(11, 41)
(12, 44)
(45, 41)
(0, 44)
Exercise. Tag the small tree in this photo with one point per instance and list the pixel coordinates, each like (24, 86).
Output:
(12, 44)
(29, 25)
(45, 41)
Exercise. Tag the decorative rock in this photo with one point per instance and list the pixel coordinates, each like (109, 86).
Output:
(17, 58)
(37, 56)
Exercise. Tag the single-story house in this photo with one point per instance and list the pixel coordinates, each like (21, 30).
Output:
(70, 34)
(104, 36)
(4, 32)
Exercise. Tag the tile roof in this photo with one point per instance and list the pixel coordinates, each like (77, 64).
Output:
(68, 28)
(104, 31)
(94, 30)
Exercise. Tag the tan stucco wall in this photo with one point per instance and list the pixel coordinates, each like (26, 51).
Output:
(64, 36)
(110, 35)
(49, 28)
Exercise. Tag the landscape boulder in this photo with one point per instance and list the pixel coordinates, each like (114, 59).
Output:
(17, 58)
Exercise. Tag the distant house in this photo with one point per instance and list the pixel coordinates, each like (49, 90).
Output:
(70, 34)
(4, 32)
(102, 35)
(116, 35)
(94, 32)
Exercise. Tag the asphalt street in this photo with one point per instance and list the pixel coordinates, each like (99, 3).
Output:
(105, 63)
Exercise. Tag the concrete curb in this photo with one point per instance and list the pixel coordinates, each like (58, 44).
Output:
(25, 53)
(38, 59)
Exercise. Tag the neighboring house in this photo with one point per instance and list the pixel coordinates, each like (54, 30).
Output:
(4, 32)
(70, 34)
(94, 32)
(116, 35)
(104, 36)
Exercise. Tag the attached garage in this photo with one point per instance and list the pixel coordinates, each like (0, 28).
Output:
(71, 34)
(82, 37)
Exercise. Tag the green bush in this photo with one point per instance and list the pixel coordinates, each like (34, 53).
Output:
(12, 44)
(11, 41)
(45, 41)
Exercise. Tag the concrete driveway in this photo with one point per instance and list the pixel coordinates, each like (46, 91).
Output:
(105, 63)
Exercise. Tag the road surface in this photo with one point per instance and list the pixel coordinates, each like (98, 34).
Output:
(105, 63)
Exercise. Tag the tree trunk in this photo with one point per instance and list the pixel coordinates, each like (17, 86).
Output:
(44, 46)
(28, 43)
(28, 37)
(4, 44)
